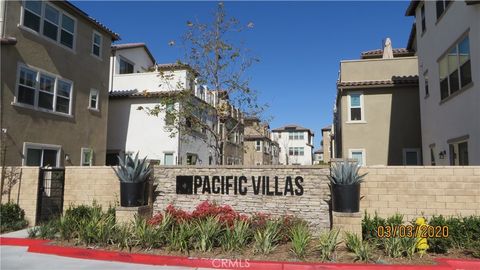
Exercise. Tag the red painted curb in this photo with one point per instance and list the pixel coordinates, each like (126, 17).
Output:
(40, 246)
(9, 241)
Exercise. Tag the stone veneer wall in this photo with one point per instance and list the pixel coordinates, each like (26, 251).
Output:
(83, 185)
(421, 190)
(24, 191)
(310, 206)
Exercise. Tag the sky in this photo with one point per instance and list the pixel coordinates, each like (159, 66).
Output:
(299, 44)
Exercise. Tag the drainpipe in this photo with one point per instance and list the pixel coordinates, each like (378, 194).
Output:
(3, 133)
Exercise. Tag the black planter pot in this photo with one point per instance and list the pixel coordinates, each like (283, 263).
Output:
(345, 198)
(132, 194)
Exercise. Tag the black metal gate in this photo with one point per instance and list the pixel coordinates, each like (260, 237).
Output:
(50, 194)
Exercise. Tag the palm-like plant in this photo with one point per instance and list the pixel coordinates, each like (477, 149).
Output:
(132, 170)
(345, 173)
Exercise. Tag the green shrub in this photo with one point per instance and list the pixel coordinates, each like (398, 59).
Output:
(180, 237)
(48, 230)
(12, 217)
(208, 230)
(122, 237)
(395, 220)
(396, 247)
(237, 236)
(327, 244)
(146, 236)
(300, 236)
(99, 229)
(370, 226)
(440, 245)
(267, 238)
(363, 249)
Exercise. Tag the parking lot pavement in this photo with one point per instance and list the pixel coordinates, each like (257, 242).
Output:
(17, 258)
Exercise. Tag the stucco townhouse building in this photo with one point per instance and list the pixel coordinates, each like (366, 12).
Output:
(296, 144)
(54, 84)
(138, 84)
(260, 149)
(446, 37)
(377, 111)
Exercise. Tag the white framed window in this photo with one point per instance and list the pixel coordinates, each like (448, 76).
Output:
(168, 159)
(93, 99)
(295, 151)
(359, 155)
(411, 156)
(458, 151)
(41, 155)
(97, 44)
(455, 68)
(43, 91)
(50, 22)
(87, 157)
(355, 107)
(126, 67)
(296, 135)
(258, 146)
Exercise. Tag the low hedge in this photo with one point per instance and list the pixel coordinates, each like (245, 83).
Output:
(12, 217)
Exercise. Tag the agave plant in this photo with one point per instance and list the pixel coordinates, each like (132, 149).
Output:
(345, 173)
(132, 170)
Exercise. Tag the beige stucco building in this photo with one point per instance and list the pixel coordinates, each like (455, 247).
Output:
(54, 84)
(259, 147)
(326, 143)
(446, 36)
(377, 114)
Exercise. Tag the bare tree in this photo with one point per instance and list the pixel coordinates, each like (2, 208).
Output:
(218, 61)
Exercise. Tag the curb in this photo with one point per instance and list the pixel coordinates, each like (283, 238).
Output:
(41, 246)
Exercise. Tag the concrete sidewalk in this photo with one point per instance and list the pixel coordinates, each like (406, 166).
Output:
(17, 258)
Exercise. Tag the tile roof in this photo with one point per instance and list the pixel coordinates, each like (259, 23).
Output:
(398, 52)
(329, 127)
(293, 127)
(396, 80)
(411, 8)
(134, 45)
(319, 151)
(82, 13)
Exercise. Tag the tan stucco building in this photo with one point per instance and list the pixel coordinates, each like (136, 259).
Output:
(326, 143)
(377, 114)
(54, 87)
(259, 147)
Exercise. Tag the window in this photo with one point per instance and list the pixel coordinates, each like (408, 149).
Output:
(358, 155)
(67, 33)
(169, 115)
(455, 69)
(296, 135)
(459, 153)
(442, 6)
(295, 151)
(51, 23)
(96, 44)
(422, 14)
(411, 156)
(87, 157)
(168, 159)
(432, 155)
(425, 81)
(258, 146)
(125, 67)
(355, 102)
(32, 14)
(41, 155)
(192, 159)
(93, 100)
(43, 91)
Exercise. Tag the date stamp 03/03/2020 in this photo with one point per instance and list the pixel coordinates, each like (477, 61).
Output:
(422, 231)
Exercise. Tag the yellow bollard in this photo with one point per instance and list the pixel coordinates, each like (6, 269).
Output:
(422, 228)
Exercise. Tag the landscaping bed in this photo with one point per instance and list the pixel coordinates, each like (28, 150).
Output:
(213, 231)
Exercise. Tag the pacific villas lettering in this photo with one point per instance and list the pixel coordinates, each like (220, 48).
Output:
(240, 185)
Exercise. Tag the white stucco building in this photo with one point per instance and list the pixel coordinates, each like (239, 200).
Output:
(296, 144)
(138, 82)
(446, 37)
